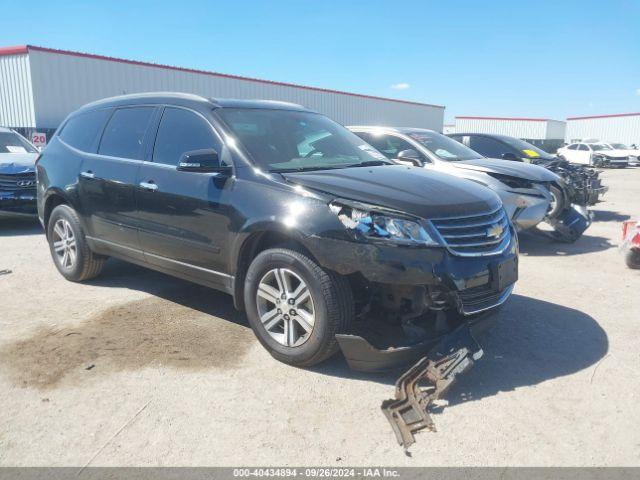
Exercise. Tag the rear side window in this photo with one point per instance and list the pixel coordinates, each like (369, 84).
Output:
(125, 133)
(487, 146)
(181, 131)
(82, 130)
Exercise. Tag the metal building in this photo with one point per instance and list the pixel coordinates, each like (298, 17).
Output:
(619, 128)
(543, 132)
(40, 86)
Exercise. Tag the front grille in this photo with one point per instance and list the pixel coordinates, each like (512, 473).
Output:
(485, 234)
(9, 183)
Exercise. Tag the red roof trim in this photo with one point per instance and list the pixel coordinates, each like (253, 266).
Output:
(511, 118)
(605, 116)
(15, 50)
(25, 48)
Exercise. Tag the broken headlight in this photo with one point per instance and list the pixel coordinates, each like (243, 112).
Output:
(513, 182)
(382, 226)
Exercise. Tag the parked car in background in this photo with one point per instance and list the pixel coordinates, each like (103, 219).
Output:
(525, 190)
(17, 174)
(594, 154)
(316, 235)
(583, 184)
(632, 151)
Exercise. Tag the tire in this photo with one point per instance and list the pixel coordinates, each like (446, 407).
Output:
(81, 263)
(331, 304)
(632, 258)
(559, 202)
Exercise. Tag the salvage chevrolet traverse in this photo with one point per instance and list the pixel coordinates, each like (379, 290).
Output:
(323, 241)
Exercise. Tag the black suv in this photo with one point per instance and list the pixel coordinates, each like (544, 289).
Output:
(315, 234)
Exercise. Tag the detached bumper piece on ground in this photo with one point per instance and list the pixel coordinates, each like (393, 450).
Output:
(570, 225)
(408, 411)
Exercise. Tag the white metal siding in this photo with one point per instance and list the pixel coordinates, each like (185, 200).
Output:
(62, 83)
(16, 100)
(513, 128)
(555, 130)
(608, 129)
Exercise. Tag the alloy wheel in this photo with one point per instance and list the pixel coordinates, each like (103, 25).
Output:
(285, 307)
(64, 244)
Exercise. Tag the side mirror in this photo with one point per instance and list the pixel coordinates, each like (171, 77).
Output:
(204, 161)
(411, 157)
(510, 156)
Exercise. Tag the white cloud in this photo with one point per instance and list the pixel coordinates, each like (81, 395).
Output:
(638, 92)
(400, 86)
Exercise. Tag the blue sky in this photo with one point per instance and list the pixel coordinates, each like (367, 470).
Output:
(502, 58)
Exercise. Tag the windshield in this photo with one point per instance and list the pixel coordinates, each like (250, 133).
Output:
(619, 146)
(11, 142)
(285, 140)
(444, 147)
(527, 148)
(598, 146)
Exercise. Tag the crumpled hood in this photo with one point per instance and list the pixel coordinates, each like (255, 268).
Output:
(414, 190)
(12, 163)
(612, 153)
(527, 171)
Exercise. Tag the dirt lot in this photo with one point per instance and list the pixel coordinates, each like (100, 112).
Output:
(174, 365)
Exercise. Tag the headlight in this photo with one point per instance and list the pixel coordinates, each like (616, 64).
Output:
(382, 226)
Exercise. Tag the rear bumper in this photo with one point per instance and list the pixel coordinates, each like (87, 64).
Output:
(17, 204)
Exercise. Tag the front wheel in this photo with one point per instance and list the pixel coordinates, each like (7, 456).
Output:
(557, 203)
(295, 307)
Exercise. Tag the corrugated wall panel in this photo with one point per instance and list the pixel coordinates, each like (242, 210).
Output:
(16, 101)
(63, 83)
(623, 129)
(514, 128)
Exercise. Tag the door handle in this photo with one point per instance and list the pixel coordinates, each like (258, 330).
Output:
(88, 174)
(150, 186)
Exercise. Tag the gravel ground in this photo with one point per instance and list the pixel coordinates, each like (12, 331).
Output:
(138, 368)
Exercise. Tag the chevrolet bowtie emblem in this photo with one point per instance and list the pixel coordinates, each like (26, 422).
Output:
(495, 231)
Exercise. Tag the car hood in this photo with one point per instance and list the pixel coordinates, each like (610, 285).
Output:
(11, 163)
(523, 170)
(413, 190)
(612, 153)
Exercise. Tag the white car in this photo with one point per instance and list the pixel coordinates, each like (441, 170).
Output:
(633, 152)
(595, 154)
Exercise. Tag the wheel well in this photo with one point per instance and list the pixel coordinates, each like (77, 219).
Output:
(259, 242)
(52, 202)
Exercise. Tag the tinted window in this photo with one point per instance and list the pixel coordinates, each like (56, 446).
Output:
(487, 146)
(583, 147)
(82, 130)
(389, 145)
(181, 131)
(573, 147)
(124, 134)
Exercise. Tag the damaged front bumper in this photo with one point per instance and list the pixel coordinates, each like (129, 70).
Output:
(570, 225)
(362, 356)
(408, 412)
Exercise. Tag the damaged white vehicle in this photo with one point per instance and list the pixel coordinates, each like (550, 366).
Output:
(530, 194)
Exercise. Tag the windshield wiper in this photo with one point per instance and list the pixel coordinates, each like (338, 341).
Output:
(369, 163)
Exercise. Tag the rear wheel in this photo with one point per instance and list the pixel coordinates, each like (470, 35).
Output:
(296, 307)
(69, 248)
